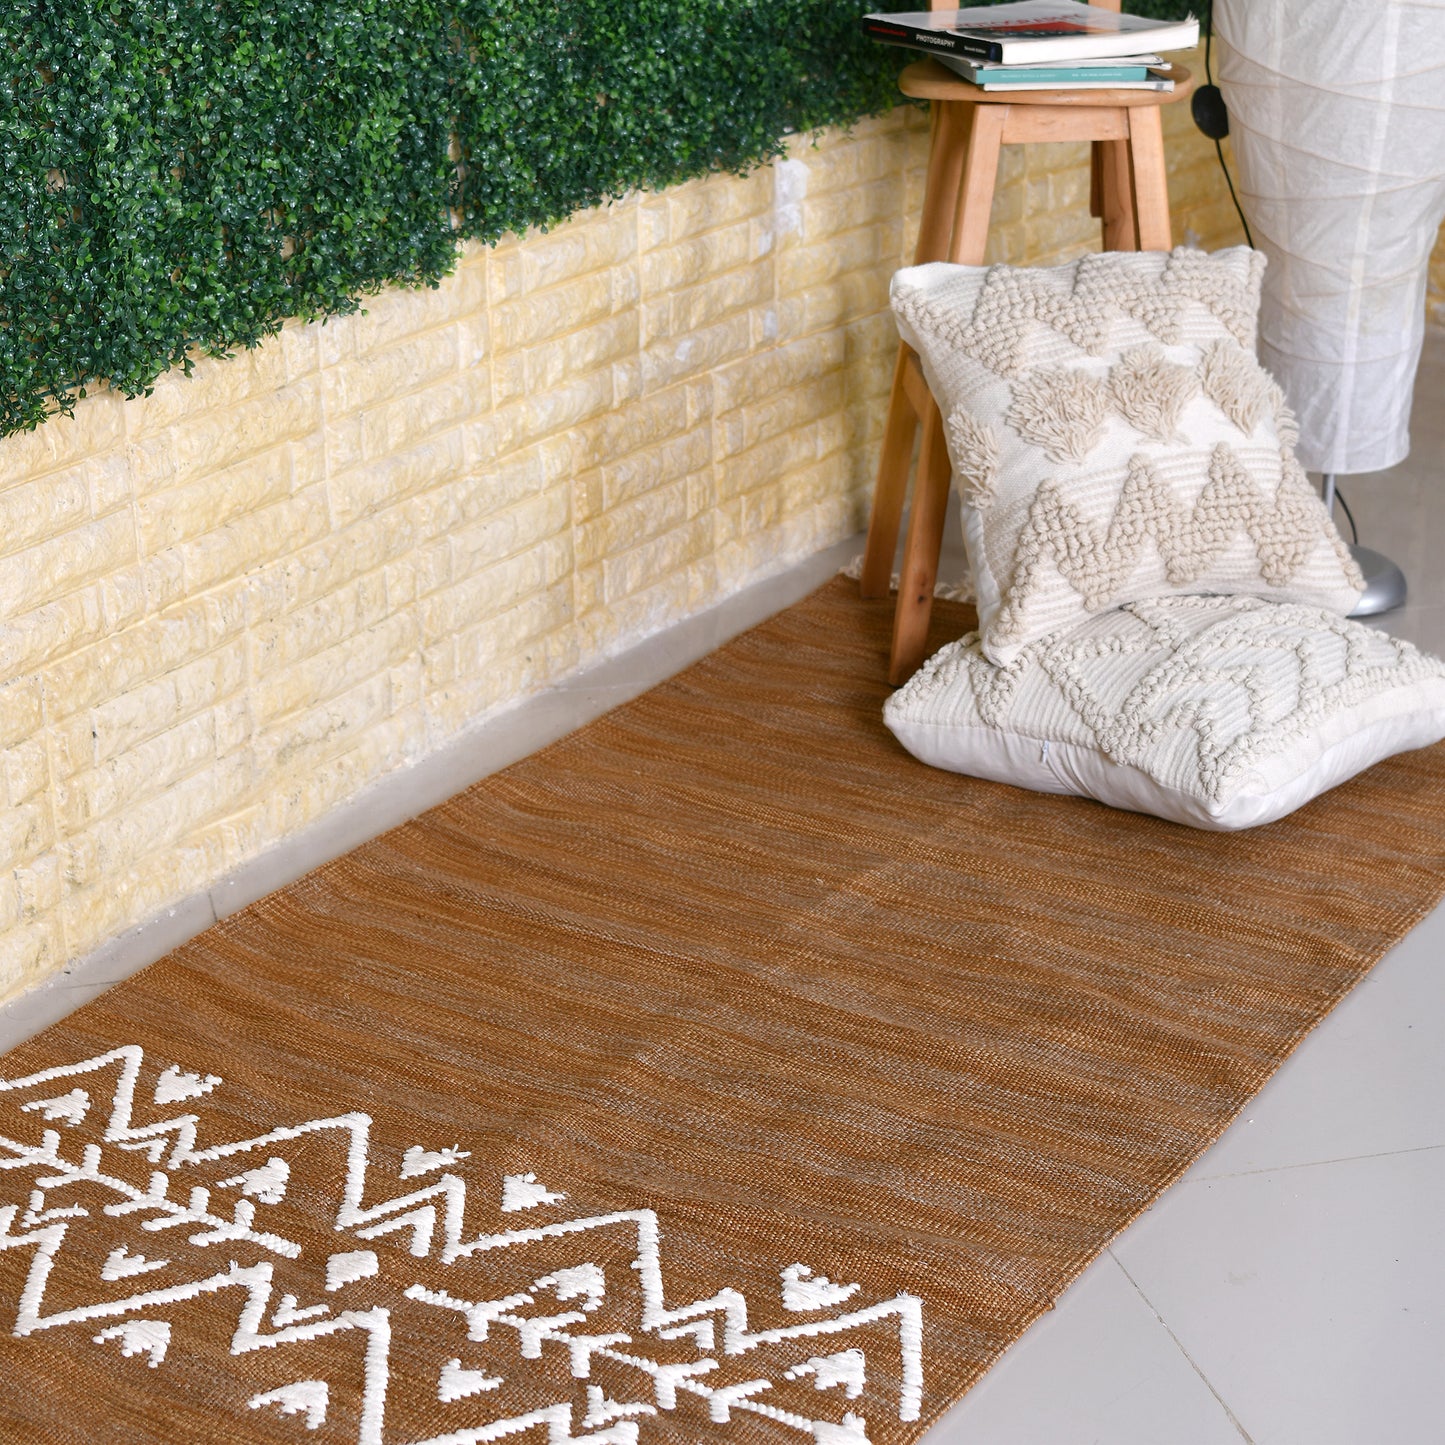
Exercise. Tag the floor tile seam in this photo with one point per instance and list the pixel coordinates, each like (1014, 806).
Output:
(1313, 1164)
(1164, 1324)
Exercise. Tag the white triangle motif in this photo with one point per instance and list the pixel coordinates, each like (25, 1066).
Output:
(122, 1264)
(140, 1337)
(68, 1108)
(305, 1396)
(803, 1290)
(267, 1182)
(521, 1191)
(345, 1269)
(847, 1368)
(173, 1086)
(417, 1161)
(575, 1281)
(459, 1384)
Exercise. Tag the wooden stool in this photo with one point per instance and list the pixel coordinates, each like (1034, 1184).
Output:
(1128, 193)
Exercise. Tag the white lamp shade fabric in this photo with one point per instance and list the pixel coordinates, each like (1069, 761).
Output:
(1337, 118)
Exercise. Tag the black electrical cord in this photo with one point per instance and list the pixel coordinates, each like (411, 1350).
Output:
(1210, 115)
(1354, 530)
(1219, 150)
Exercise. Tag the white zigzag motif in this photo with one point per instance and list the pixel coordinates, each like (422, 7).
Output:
(546, 1320)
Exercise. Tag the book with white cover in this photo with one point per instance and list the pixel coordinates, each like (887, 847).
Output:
(1153, 62)
(1055, 77)
(1030, 31)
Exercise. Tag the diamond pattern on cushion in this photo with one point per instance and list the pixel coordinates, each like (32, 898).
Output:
(1220, 705)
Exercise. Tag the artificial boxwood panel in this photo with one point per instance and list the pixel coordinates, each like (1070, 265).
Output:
(178, 173)
(190, 173)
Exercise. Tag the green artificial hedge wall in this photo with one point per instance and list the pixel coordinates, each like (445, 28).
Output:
(190, 173)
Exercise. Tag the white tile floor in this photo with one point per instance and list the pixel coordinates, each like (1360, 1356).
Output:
(1291, 1289)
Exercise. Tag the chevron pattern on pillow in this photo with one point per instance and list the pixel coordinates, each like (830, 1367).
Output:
(1115, 439)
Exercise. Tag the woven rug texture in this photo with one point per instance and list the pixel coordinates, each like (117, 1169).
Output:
(718, 1073)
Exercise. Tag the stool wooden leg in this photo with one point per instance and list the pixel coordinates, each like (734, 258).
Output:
(1116, 182)
(969, 226)
(975, 191)
(946, 154)
(1151, 185)
(891, 488)
(920, 553)
(945, 165)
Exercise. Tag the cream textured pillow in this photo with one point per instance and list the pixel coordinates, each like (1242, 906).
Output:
(1220, 712)
(1113, 438)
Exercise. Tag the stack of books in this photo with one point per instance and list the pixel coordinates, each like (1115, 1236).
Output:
(1042, 44)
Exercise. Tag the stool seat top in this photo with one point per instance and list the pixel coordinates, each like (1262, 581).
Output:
(928, 80)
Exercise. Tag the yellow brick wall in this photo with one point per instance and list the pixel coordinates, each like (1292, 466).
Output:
(230, 606)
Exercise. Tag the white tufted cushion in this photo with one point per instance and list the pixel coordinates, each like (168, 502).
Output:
(1220, 712)
(1113, 438)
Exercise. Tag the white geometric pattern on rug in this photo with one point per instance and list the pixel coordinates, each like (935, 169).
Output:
(429, 1222)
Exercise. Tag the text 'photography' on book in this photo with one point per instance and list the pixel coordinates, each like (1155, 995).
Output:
(1041, 44)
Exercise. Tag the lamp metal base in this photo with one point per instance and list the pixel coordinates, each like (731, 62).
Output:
(1384, 583)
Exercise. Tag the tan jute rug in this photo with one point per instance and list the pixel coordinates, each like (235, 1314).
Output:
(719, 1074)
